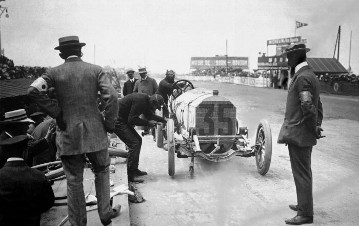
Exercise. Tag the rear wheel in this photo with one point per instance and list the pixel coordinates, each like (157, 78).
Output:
(263, 147)
(171, 147)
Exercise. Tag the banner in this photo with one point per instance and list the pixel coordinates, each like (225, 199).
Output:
(300, 24)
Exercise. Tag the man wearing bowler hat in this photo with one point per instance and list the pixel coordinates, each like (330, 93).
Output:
(81, 126)
(301, 129)
(146, 84)
(25, 193)
(130, 83)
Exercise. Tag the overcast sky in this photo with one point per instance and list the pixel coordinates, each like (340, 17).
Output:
(165, 34)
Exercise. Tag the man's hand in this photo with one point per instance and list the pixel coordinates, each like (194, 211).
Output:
(318, 132)
(50, 132)
(109, 127)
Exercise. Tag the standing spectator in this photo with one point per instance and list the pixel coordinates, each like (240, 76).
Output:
(165, 89)
(146, 84)
(130, 83)
(301, 129)
(81, 128)
(25, 193)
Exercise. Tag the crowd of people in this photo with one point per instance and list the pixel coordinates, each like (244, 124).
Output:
(9, 71)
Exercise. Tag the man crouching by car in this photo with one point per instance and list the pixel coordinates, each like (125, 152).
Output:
(130, 108)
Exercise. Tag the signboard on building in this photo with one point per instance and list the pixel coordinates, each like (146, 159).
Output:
(219, 61)
(281, 41)
(274, 63)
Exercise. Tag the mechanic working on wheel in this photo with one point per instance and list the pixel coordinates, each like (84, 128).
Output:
(130, 108)
(165, 89)
(301, 129)
(81, 128)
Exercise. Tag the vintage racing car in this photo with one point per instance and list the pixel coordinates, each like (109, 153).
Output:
(203, 124)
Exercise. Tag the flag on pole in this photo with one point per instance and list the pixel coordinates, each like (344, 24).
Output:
(300, 24)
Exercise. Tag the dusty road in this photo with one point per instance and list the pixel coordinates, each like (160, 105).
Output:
(233, 193)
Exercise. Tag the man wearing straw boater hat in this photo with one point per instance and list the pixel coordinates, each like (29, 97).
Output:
(17, 123)
(81, 126)
(301, 129)
(25, 193)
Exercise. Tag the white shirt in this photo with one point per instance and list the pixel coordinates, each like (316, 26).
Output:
(299, 66)
(132, 80)
(144, 78)
(72, 56)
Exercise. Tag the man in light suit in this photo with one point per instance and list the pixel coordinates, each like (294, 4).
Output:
(25, 193)
(301, 129)
(130, 83)
(81, 128)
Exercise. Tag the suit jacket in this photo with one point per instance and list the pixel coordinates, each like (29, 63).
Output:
(132, 106)
(300, 121)
(76, 85)
(148, 86)
(25, 193)
(165, 89)
(128, 87)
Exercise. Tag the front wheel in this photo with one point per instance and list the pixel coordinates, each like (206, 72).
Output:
(263, 147)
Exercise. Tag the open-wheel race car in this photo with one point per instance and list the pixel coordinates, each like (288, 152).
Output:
(203, 124)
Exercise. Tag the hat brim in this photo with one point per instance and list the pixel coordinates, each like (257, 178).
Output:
(14, 140)
(130, 71)
(17, 122)
(286, 52)
(142, 72)
(81, 44)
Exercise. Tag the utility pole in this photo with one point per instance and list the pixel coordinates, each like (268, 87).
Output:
(350, 51)
(2, 10)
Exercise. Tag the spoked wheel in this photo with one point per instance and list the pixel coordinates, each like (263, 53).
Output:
(171, 147)
(52, 170)
(263, 147)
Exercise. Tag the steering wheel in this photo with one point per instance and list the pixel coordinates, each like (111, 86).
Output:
(181, 86)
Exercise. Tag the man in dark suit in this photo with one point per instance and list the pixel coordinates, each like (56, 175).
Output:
(130, 108)
(165, 89)
(81, 127)
(130, 83)
(301, 129)
(25, 193)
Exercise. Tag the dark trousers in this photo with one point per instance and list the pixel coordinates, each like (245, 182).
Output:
(300, 159)
(133, 141)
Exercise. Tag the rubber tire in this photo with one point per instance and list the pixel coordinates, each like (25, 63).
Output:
(265, 127)
(159, 136)
(171, 147)
(336, 87)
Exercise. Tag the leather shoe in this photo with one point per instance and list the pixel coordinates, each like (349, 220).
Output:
(132, 178)
(115, 211)
(140, 173)
(293, 207)
(298, 220)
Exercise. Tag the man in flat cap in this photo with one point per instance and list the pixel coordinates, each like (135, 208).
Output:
(130, 83)
(165, 89)
(81, 128)
(301, 129)
(25, 193)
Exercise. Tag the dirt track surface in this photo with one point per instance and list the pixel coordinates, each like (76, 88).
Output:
(233, 193)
